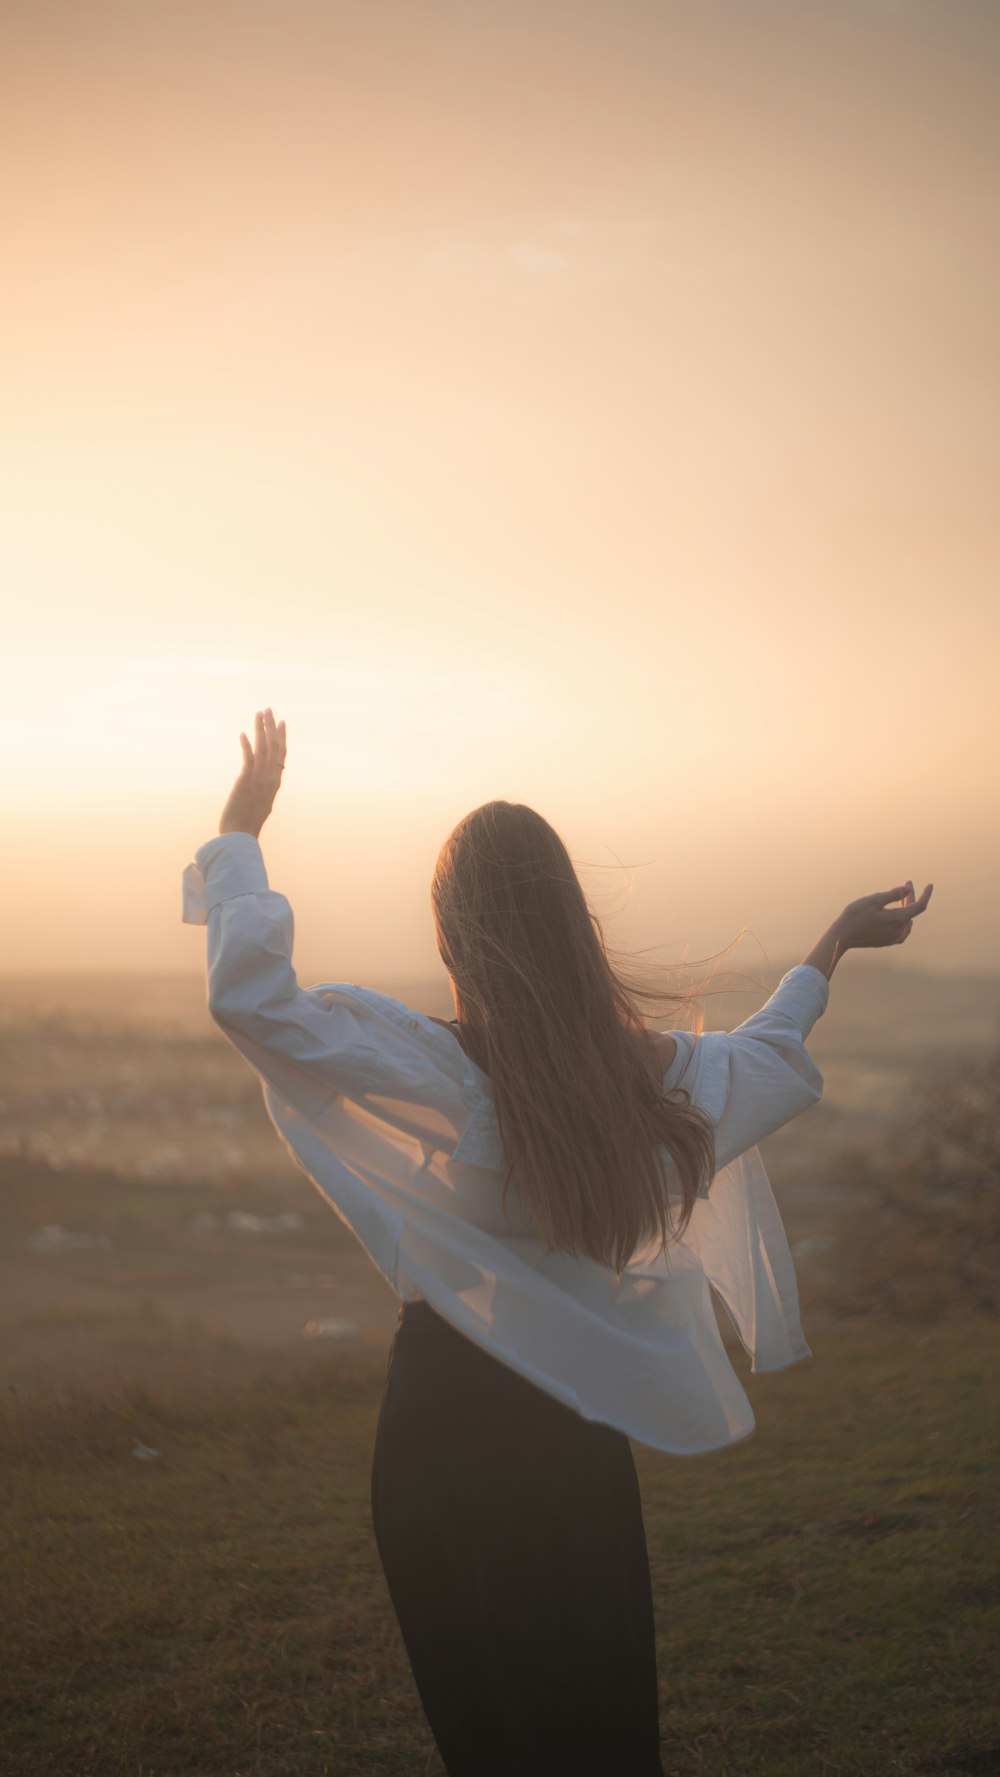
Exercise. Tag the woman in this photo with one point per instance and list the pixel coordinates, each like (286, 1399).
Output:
(552, 1190)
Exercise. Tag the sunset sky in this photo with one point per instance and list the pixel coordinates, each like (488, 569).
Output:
(594, 405)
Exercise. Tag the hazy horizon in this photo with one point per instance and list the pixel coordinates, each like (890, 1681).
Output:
(589, 406)
(897, 965)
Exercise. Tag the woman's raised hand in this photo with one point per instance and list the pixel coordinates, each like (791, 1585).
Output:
(252, 796)
(873, 922)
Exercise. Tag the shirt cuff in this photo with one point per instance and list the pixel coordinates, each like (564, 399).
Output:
(228, 865)
(811, 991)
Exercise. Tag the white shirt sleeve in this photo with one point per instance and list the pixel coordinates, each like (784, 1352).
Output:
(756, 1078)
(307, 1042)
(751, 1081)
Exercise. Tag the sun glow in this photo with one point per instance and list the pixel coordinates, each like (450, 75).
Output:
(644, 473)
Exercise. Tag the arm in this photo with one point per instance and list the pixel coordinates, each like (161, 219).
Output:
(868, 924)
(755, 1079)
(828, 950)
(307, 1042)
(762, 1075)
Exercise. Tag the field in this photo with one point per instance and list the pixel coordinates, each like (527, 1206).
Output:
(189, 1402)
(826, 1591)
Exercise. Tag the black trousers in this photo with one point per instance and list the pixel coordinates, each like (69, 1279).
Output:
(511, 1536)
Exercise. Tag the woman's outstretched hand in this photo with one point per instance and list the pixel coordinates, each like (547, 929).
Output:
(872, 922)
(868, 924)
(252, 796)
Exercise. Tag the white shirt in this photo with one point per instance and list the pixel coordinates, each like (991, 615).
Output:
(397, 1127)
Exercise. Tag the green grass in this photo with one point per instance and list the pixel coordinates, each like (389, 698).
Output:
(827, 1591)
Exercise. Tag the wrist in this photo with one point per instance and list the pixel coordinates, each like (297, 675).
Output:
(826, 954)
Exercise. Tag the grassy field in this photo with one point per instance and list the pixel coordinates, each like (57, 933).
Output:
(827, 1592)
(187, 1562)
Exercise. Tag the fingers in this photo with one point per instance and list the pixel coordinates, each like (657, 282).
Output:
(888, 895)
(276, 735)
(908, 913)
(904, 893)
(265, 729)
(925, 897)
(898, 921)
(270, 739)
(907, 904)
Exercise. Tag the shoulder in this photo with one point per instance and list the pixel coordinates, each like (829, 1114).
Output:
(449, 1025)
(666, 1049)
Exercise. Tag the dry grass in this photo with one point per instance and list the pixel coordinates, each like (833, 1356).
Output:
(918, 1238)
(826, 1591)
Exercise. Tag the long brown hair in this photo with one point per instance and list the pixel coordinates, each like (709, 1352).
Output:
(553, 1021)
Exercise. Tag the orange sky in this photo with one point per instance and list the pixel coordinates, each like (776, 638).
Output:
(592, 405)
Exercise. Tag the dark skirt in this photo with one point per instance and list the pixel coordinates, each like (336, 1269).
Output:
(511, 1536)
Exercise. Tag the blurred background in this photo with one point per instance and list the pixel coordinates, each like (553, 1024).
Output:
(590, 405)
(594, 407)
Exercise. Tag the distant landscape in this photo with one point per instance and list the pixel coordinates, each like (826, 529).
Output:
(157, 1181)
